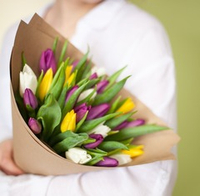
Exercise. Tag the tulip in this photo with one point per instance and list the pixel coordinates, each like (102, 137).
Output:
(100, 71)
(121, 158)
(81, 111)
(86, 93)
(98, 111)
(93, 76)
(100, 129)
(75, 63)
(134, 151)
(45, 84)
(102, 85)
(47, 61)
(126, 107)
(78, 155)
(30, 100)
(70, 92)
(127, 124)
(68, 72)
(107, 162)
(34, 125)
(97, 137)
(69, 122)
(27, 79)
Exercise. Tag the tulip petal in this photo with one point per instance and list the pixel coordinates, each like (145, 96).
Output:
(98, 111)
(108, 162)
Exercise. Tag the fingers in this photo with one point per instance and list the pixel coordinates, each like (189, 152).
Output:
(7, 164)
(9, 167)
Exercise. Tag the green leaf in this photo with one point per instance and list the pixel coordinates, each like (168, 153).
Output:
(91, 124)
(24, 62)
(70, 142)
(21, 107)
(81, 121)
(110, 93)
(55, 43)
(57, 83)
(114, 105)
(62, 97)
(62, 53)
(112, 145)
(114, 77)
(72, 100)
(50, 115)
(132, 132)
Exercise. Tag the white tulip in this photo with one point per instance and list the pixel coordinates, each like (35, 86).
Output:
(122, 158)
(27, 79)
(100, 71)
(86, 93)
(100, 129)
(78, 155)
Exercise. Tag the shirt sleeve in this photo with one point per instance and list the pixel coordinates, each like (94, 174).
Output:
(5, 98)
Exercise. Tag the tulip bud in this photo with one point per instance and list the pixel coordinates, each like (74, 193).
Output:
(122, 158)
(100, 71)
(135, 123)
(78, 155)
(34, 125)
(70, 92)
(107, 162)
(98, 111)
(93, 76)
(27, 79)
(102, 85)
(127, 124)
(100, 129)
(81, 111)
(30, 100)
(99, 139)
(47, 61)
(127, 106)
(134, 151)
(86, 93)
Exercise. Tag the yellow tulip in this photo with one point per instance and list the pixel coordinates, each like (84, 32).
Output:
(68, 76)
(45, 84)
(69, 122)
(127, 106)
(134, 151)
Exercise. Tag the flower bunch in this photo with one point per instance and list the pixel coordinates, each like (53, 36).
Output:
(73, 108)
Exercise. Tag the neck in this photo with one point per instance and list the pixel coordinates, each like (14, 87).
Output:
(65, 14)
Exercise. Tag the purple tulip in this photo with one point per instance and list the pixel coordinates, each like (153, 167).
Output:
(81, 111)
(98, 111)
(102, 85)
(107, 162)
(70, 92)
(98, 137)
(30, 99)
(127, 124)
(93, 76)
(47, 60)
(35, 126)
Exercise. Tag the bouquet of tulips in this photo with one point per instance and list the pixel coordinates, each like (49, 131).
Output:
(71, 115)
(73, 108)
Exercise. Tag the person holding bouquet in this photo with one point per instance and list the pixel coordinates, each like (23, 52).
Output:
(118, 33)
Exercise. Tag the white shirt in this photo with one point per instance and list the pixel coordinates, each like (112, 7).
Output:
(118, 34)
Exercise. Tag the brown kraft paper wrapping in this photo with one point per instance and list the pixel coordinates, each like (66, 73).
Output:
(30, 153)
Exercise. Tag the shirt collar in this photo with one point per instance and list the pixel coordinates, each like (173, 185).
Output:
(102, 15)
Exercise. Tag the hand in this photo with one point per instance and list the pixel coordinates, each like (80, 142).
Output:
(7, 164)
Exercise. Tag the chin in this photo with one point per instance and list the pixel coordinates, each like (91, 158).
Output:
(91, 1)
